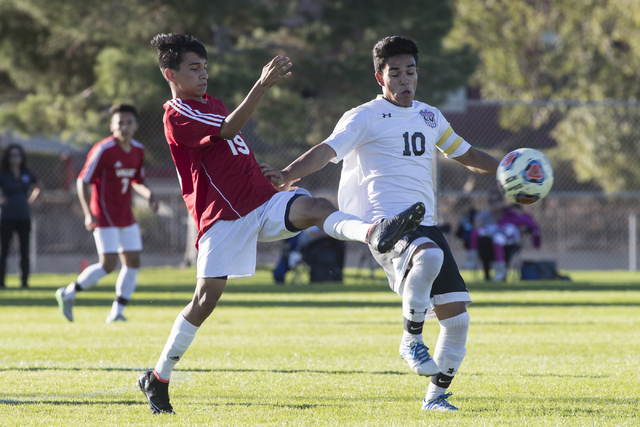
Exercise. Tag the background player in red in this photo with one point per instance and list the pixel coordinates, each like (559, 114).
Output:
(114, 165)
(232, 203)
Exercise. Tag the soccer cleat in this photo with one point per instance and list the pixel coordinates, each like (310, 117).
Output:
(384, 234)
(438, 404)
(116, 318)
(65, 304)
(417, 356)
(156, 392)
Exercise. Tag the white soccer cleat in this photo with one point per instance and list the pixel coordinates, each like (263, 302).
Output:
(117, 318)
(65, 304)
(417, 356)
(438, 404)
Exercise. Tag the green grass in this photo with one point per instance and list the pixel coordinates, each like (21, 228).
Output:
(539, 353)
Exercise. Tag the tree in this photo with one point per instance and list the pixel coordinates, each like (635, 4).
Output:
(67, 61)
(583, 50)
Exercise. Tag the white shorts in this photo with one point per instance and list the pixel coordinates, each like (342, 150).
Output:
(229, 248)
(111, 240)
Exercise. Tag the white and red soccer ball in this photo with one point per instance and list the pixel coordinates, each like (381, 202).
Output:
(524, 176)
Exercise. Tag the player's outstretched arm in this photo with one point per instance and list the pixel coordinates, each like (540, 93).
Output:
(272, 73)
(310, 162)
(478, 161)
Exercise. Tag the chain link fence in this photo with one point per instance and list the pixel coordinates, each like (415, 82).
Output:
(582, 226)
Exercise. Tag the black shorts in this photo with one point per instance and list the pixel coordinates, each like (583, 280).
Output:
(448, 280)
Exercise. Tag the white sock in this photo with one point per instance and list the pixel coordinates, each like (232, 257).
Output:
(116, 309)
(89, 277)
(408, 338)
(434, 391)
(450, 349)
(343, 226)
(416, 296)
(127, 281)
(181, 337)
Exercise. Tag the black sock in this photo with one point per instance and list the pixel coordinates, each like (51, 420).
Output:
(414, 328)
(442, 380)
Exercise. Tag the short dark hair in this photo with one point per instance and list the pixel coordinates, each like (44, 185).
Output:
(172, 48)
(390, 47)
(5, 157)
(123, 108)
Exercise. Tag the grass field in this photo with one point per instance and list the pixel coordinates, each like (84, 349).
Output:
(539, 353)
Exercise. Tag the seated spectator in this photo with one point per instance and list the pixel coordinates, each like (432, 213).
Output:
(323, 254)
(496, 236)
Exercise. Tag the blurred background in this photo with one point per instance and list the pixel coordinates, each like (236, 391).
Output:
(559, 76)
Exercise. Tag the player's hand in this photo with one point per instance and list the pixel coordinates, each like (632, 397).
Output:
(275, 71)
(89, 220)
(153, 204)
(275, 175)
(277, 178)
(287, 186)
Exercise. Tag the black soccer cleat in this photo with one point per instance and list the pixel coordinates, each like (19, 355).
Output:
(383, 235)
(156, 392)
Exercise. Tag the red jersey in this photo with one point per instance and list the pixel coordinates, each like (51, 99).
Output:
(220, 178)
(111, 171)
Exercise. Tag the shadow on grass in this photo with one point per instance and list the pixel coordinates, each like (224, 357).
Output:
(200, 370)
(307, 303)
(69, 402)
(44, 296)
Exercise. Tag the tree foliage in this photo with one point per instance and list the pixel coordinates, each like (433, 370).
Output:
(66, 61)
(584, 50)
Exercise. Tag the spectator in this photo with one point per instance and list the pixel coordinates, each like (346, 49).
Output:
(19, 190)
(496, 235)
(322, 253)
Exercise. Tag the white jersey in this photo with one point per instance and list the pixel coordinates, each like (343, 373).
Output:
(387, 152)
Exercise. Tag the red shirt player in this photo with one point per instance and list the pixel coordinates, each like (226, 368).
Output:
(114, 165)
(233, 204)
(111, 170)
(220, 179)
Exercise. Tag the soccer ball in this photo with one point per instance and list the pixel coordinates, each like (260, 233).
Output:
(524, 176)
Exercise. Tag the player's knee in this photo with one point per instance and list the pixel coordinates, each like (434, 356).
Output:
(429, 258)
(109, 262)
(321, 208)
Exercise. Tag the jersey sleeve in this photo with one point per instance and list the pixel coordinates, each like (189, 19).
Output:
(192, 127)
(348, 133)
(93, 164)
(449, 143)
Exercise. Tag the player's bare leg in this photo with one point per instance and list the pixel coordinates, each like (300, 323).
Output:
(155, 384)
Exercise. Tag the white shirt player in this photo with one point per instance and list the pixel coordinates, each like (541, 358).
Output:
(387, 152)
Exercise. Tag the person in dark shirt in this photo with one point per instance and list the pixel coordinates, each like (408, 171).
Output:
(19, 189)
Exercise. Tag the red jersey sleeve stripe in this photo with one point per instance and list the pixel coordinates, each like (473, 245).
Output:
(94, 160)
(184, 109)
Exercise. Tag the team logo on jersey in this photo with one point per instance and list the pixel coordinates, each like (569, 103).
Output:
(429, 118)
(126, 172)
(118, 164)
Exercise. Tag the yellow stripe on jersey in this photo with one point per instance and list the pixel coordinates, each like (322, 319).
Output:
(453, 147)
(445, 136)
